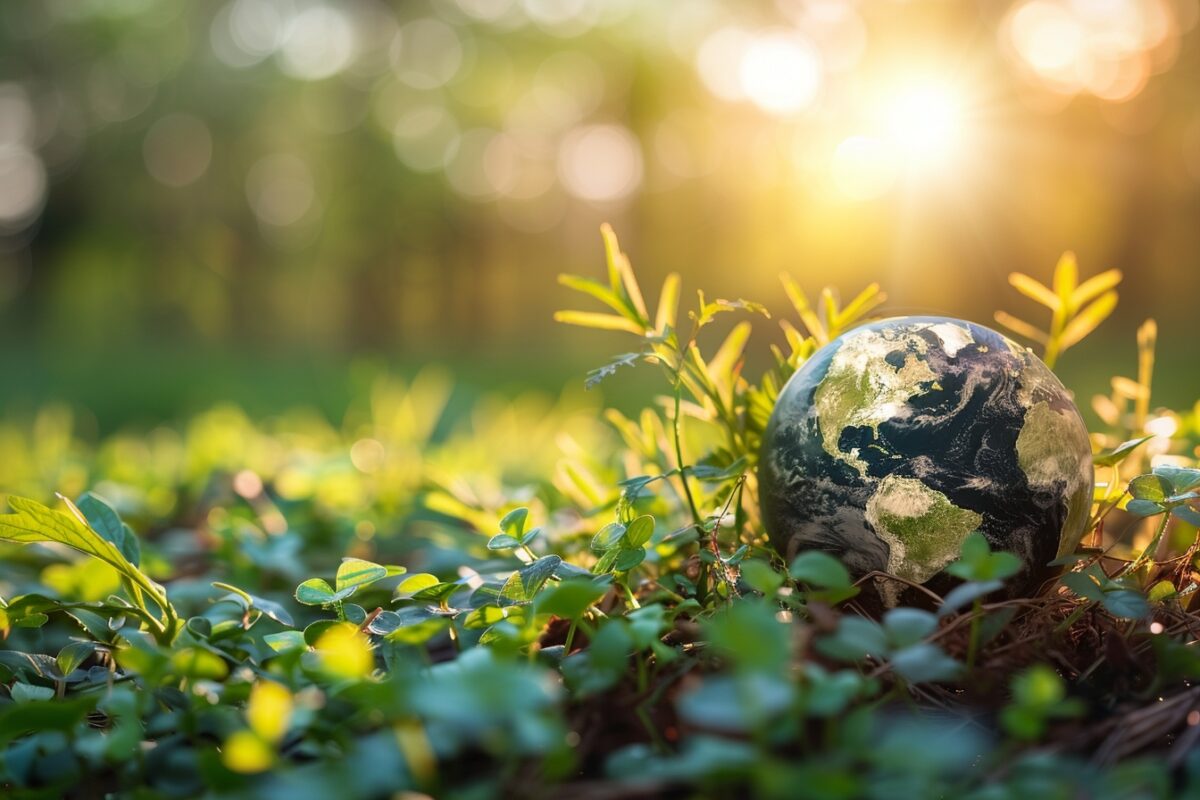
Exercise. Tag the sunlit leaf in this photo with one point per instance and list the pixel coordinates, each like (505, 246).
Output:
(1020, 327)
(354, 572)
(1088, 320)
(1095, 286)
(668, 304)
(592, 319)
(1034, 290)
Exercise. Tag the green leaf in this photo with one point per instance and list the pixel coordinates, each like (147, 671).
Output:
(1126, 603)
(502, 541)
(819, 569)
(1181, 479)
(525, 583)
(354, 572)
(416, 583)
(907, 626)
(1144, 508)
(73, 655)
(975, 548)
(966, 594)
(638, 533)
(761, 577)
(315, 592)
(34, 522)
(484, 617)
(1162, 591)
(925, 663)
(1150, 487)
(1084, 585)
(513, 522)
(241, 594)
(712, 473)
(285, 641)
(977, 562)
(608, 537)
(571, 597)
(1119, 453)
(855, 639)
(417, 626)
(750, 635)
(628, 558)
(103, 519)
(28, 693)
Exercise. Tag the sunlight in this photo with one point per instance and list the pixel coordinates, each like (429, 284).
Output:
(924, 124)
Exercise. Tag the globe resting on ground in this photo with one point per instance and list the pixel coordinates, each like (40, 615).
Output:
(896, 440)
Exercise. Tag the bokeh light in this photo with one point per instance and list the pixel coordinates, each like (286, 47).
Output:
(177, 149)
(22, 186)
(600, 163)
(280, 189)
(780, 73)
(1108, 48)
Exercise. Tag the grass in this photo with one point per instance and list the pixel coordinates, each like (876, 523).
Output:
(542, 597)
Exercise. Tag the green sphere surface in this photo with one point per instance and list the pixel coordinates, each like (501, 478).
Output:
(896, 440)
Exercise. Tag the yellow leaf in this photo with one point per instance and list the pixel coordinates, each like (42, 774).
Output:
(1066, 276)
(1034, 290)
(831, 311)
(868, 299)
(418, 752)
(1020, 327)
(800, 302)
(246, 753)
(269, 710)
(1129, 389)
(727, 355)
(1088, 320)
(795, 339)
(618, 263)
(1106, 409)
(596, 290)
(345, 653)
(591, 319)
(1095, 286)
(668, 303)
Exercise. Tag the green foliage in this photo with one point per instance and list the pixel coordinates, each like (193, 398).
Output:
(591, 606)
(1038, 696)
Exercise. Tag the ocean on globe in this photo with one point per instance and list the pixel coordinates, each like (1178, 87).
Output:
(896, 440)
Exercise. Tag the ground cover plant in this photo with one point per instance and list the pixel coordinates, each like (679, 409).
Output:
(549, 599)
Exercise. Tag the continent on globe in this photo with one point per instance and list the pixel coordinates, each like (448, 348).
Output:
(898, 439)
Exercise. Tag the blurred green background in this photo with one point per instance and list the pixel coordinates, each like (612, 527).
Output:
(258, 200)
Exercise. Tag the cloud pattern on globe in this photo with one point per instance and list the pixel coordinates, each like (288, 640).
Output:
(899, 438)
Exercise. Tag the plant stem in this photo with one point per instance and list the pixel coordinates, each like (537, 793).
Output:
(702, 578)
(687, 489)
(973, 643)
(1151, 548)
(570, 637)
(629, 598)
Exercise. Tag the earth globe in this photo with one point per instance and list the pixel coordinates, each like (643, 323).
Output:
(899, 438)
